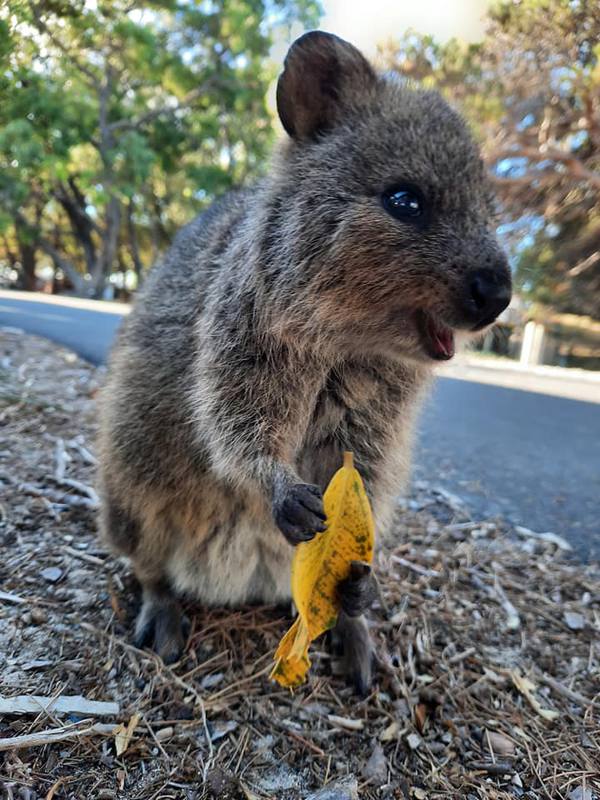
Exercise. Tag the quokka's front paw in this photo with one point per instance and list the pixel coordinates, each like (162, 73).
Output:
(298, 512)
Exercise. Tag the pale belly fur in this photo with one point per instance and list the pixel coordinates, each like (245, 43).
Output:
(242, 559)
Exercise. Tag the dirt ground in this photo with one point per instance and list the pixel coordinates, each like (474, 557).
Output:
(488, 650)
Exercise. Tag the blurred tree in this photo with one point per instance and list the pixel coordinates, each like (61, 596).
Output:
(531, 90)
(118, 122)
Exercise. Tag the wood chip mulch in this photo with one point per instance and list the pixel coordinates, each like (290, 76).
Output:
(488, 650)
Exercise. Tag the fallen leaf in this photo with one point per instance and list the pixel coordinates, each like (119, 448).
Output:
(420, 716)
(390, 733)
(527, 687)
(114, 604)
(124, 733)
(164, 733)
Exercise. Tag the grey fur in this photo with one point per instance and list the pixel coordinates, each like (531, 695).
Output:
(280, 330)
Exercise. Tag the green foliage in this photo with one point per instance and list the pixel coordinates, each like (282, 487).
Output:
(132, 162)
(118, 122)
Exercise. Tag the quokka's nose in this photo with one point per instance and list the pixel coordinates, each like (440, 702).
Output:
(489, 293)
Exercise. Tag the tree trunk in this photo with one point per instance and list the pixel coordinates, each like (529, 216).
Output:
(27, 279)
(108, 253)
(133, 241)
(12, 257)
(73, 201)
(160, 238)
(76, 279)
(26, 242)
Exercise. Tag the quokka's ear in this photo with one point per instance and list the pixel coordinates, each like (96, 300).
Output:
(323, 77)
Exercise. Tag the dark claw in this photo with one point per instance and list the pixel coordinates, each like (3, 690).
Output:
(144, 635)
(298, 512)
(162, 628)
(362, 679)
(359, 590)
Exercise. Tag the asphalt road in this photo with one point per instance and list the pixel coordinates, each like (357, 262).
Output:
(88, 330)
(532, 457)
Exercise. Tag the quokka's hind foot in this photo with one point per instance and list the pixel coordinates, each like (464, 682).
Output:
(351, 637)
(352, 640)
(160, 624)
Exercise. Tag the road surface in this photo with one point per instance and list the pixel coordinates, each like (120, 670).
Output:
(529, 455)
(85, 326)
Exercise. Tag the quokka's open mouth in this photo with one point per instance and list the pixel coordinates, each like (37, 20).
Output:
(438, 338)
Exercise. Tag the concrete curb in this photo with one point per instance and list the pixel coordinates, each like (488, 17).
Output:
(103, 306)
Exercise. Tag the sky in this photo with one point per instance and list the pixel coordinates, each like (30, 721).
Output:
(365, 24)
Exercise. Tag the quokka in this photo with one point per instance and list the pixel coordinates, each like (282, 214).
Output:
(288, 323)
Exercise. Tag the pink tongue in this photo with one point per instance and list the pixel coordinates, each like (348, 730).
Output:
(444, 341)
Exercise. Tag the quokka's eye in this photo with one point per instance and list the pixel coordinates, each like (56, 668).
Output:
(404, 202)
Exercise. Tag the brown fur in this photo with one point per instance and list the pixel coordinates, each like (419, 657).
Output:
(281, 329)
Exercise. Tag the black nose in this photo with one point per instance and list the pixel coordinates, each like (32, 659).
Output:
(489, 294)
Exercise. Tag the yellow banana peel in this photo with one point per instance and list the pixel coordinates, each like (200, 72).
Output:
(320, 565)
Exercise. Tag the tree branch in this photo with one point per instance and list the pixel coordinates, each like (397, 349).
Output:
(135, 124)
(584, 265)
(76, 203)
